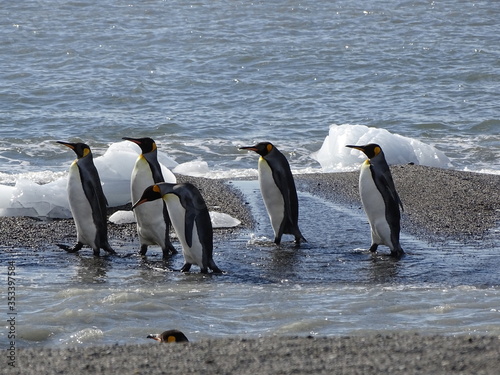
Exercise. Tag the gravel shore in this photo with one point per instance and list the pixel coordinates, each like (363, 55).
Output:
(405, 353)
(439, 205)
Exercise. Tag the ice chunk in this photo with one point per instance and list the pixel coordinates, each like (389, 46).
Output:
(335, 157)
(196, 168)
(222, 220)
(122, 217)
(31, 199)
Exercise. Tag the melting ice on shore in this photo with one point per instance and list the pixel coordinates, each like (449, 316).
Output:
(28, 198)
(333, 156)
(219, 219)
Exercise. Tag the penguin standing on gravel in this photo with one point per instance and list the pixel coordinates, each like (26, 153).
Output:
(191, 220)
(380, 199)
(153, 222)
(278, 191)
(87, 202)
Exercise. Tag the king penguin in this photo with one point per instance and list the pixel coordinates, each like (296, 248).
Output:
(190, 219)
(153, 222)
(380, 199)
(87, 202)
(278, 191)
(172, 335)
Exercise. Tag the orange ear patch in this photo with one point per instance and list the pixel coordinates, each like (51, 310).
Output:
(86, 151)
(377, 150)
(156, 188)
(269, 147)
(171, 339)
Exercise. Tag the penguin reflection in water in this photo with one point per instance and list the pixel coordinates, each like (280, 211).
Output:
(191, 220)
(278, 191)
(153, 222)
(87, 202)
(380, 199)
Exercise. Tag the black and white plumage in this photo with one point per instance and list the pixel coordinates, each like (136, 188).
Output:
(87, 202)
(380, 199)
(153, 221)
(278, 191)
(191, 220)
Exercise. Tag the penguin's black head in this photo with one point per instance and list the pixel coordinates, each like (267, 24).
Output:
(371, 150)
(262, 148)
(81, 149)
(151, 193)
(146, 144)
(171, 335)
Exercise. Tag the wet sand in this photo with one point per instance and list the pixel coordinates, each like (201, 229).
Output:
(439, 205)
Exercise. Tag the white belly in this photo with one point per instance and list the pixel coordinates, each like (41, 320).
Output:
(271, 194)
(374, 206)
(177, 213)
(151, 226)
(80, 208)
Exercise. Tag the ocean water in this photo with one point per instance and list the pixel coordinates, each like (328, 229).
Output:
(204, 77)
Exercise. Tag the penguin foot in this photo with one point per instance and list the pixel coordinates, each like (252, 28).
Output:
(214, 267)
(143, 250)
(398, 254)
(186, 267)
(373, 247)
(169, 250)
(69, 249)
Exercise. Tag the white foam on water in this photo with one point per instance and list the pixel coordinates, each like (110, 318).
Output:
(334, 156)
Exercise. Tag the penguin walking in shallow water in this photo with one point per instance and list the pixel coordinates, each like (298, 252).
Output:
(87, 202)
(278, 191)
(191, 220)
(153, 222)
(380, 199)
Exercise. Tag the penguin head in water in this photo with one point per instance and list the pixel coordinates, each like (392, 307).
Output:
(81, 149)
(171, 335)
(262, 148)
(146, 144)
(371, 150)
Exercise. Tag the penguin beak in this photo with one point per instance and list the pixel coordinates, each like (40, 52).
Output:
(154, 337)
(67, 144)
(132, 140)
(139, 202)
(360, 148)
(251, 148)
